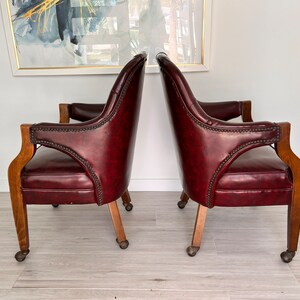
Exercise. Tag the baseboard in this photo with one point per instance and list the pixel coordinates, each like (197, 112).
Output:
(155, 185)
(135, 185)
(4, 185)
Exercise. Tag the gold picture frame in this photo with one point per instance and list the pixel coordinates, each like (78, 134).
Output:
(101, 39)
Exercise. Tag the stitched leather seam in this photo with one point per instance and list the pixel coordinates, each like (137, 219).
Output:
(230, 155)
(49, 190)
(257, 173)
(284, 189)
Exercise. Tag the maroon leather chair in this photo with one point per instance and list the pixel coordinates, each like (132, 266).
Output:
(82, 163)
(230, 164)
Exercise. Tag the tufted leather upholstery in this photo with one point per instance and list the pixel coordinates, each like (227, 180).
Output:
(229, 164)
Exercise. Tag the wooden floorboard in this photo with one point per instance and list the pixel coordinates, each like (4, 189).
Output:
(74, 254)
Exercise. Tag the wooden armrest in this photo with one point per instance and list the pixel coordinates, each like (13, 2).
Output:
(285, 152)
(64, 115)
(246, 111)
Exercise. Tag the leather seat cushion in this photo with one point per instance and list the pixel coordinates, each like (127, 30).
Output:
(52, 177)
(257, 177)
(259, 168)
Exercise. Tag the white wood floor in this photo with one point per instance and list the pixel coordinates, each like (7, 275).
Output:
(74, 254)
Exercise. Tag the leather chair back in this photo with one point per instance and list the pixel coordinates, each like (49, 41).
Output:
(202, 154)
(104, 146)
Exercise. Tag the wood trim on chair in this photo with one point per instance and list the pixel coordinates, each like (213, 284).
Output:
(246, 111)
(285, 152)
(14, 177)
(199, 226)
(64, 115)
(126, 199)
(118, 226)
(184, 198)
(198, 231)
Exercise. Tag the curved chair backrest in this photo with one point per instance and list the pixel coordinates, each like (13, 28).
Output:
(185, 115)
(126, 85)
(120, 118)
(104, 145)
(205, 146)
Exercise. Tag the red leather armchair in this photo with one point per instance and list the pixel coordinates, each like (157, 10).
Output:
(230, 164)
(82, 163)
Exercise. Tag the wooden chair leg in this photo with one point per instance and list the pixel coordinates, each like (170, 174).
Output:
(293, 232)
(184, 198)
(198, 231)
(21, 223)
(126, 199)
(117, 222)
(18, 206)
(293, 226)
(285, 152)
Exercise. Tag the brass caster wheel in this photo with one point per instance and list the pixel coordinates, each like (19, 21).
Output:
(192, 251)
(55, 205)
(21, 255)
(123, 244)
(181, 204)
(287, 256)
(128, 206)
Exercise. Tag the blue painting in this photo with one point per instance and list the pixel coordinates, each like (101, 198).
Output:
(68, 33)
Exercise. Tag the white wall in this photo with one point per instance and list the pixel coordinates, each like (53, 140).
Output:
(255, 54)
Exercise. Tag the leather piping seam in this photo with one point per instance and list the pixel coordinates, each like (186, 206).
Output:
(283, 189)
(229, 156)
(25, 189)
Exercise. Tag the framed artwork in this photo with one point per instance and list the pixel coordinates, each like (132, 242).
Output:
(64, 37)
